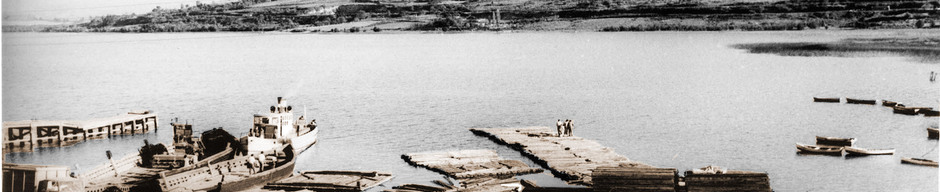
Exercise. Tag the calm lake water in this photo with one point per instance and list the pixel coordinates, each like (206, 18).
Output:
(669, 99)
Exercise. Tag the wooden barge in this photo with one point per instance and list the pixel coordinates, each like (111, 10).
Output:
(346, 181)
(23, 136)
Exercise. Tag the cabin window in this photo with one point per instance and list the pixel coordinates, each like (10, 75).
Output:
(264, 120)
(269, 132)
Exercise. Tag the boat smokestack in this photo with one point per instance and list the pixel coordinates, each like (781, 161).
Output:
(279, 99)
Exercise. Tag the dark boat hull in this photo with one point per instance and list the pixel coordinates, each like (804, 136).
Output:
(929, 112)
(905, 111)
(859, 101)
(834, 141)
(887, 103)
(827, 100)
(933, 133)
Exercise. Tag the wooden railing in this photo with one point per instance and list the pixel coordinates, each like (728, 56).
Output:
(121, 165)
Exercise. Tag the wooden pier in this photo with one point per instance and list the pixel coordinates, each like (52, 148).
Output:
(570, 158)
(23, 136)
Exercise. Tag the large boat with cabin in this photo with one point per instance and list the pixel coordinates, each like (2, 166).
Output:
(278, 127)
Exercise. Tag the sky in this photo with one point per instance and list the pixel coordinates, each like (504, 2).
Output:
(73, 9)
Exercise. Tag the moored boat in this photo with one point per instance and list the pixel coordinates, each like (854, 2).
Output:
(827, 100)
(834, 141)
(864, 151)
(859, 101)
(818, 149)
(933, 133)
(234, 174)
(279, 127)
(919, 161)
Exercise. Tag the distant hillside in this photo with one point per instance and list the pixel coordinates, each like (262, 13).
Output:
(594, 15)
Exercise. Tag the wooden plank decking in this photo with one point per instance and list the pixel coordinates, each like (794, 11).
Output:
(571, 158)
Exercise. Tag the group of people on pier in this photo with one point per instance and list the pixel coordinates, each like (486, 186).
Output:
(564, 128)
(256, 163)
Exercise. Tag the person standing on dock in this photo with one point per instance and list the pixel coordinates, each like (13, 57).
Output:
(261, 160)
(568, 128)
(558, 126)
(252, 163)
(564, 128)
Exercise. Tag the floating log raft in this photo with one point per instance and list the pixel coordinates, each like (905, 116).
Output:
(730, 180)
(469, 164)
(331, 181)
(635, 179)
(23, 136)
(571, 158)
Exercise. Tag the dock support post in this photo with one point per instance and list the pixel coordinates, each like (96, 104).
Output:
(133, 126)
(155, 123)
(60, 134)
(32, 135)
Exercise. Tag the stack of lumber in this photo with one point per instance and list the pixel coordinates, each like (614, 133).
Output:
(726, 181)
(635, 179)
(469, 164)
(571, 158)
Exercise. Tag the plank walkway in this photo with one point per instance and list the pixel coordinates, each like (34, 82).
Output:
(571, 158)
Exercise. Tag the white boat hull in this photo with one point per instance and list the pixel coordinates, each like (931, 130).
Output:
(301, 143)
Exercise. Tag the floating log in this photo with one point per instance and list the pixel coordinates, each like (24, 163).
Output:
(859, 101)
(827, 100)
(905, 110)
(571, 158)
(929, 112)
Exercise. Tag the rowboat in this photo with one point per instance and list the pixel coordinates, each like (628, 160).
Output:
(887, 103)
(859, 101)
(863, 151)
(827, 100)
(933, 133)
(834, 141)
(819, 150)
(919, 161)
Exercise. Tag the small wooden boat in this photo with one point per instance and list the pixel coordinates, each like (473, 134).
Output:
(819, 150)
(887, 103)
(232, 175)
(834, 141)
(863, 151)
(331, 181)
(827, 100)
(905, 110)
(919, 161)
(859, 101)
(933, 133)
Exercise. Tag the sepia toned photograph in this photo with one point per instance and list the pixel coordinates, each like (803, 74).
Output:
(470, 95)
